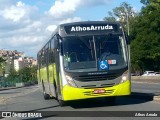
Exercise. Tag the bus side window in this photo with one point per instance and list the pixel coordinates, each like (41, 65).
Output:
(52, 57)
(39, 60)
(56, 42)
(42, 58)
(46, 55)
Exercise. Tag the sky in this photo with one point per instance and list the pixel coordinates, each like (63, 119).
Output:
(26, 25)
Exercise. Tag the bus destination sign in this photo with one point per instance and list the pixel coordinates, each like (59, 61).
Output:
(90, 28)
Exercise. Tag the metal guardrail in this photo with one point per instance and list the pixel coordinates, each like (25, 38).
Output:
(146, 79)
(18, 85)
(5, 83)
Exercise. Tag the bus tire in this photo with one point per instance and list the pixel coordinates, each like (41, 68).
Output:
(61, 102)
(45, 95)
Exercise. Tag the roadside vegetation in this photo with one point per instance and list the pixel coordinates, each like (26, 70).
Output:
(143, 31)
(26, 75)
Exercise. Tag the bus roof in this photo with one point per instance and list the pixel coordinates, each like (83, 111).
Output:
(88, 22)
(86, 28)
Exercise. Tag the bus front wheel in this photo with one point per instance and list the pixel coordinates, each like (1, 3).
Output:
(61, 102)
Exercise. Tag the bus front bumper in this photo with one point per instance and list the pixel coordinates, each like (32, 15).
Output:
(71, 93)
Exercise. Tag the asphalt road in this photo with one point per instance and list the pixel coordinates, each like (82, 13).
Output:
(30, 99)
(146, 87)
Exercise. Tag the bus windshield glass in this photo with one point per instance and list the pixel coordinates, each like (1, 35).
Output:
(94, 53)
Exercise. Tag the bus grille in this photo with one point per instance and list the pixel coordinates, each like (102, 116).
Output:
(87, 78)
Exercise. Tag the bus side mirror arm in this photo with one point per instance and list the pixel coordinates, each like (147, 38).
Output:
(58, 37)
(59, 44)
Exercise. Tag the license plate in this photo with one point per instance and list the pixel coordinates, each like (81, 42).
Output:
(98, 91)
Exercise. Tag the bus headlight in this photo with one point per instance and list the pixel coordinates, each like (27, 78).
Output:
(70, 81)
(124, 76)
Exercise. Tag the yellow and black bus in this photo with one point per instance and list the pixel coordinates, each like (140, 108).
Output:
(85, 60)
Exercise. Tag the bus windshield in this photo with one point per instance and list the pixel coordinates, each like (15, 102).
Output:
(86, 53)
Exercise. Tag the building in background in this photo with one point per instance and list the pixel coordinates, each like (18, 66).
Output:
(19, 64)
(16, 60)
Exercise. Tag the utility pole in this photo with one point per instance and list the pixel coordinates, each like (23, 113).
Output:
(128, 32)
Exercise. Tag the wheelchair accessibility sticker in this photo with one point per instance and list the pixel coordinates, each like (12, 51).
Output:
(103, 65)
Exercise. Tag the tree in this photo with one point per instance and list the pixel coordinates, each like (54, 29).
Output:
(145, 2)
(28, 74)
(110, 18)
(144, 33)
(145, 46)
(121, 13)
(148, 2)
(2, 60)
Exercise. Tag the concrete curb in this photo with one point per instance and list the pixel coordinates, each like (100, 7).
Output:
(1, 89)
(146, 79)
(145, 82)
(156, 98)
(8, 88)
